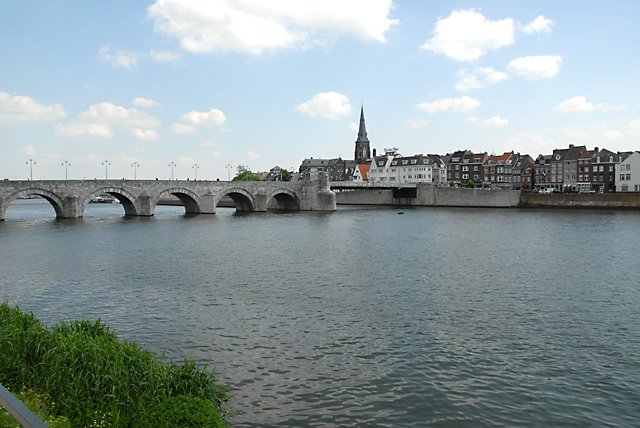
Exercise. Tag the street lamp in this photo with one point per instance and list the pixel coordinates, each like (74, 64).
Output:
(195, 170)
(106, 164)
(135, 166)
(172, 165)
(65, 164)
(31, 163)
(228, 167)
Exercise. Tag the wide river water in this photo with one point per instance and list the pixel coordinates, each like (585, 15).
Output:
(361, 317)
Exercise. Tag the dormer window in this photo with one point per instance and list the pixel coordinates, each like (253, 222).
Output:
(404, 162)
(557, 157)
(394, 163)
(414, 161)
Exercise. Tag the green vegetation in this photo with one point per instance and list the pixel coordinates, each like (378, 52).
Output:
(244, 174)
(96, 379)
(285, 175)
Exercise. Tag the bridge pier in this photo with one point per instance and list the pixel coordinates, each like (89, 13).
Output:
(317, 195)
(71, 207)
(143, 206)
(208, 203)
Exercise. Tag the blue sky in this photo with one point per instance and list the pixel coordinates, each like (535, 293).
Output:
(265, 83)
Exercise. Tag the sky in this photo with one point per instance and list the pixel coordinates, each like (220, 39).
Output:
(109, 87)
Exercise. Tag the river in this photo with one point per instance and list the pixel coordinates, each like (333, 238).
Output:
(361, 317)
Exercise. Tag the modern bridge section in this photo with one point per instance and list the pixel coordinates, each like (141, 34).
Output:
(140, 197)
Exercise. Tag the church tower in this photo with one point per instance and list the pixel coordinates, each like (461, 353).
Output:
(363, 151)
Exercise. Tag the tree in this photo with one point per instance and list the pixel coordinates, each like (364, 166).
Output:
(285, 175)
(245, 174)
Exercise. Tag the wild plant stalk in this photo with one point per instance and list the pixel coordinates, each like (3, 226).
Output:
(94, 377)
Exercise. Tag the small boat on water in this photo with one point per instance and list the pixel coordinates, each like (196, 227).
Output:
(103, 199)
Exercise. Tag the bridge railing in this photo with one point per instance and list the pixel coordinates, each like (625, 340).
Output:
(18, 410)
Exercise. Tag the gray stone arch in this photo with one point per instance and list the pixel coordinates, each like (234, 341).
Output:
(283, 199)
(55, 200)
(190, 199)
(243, 200)
(127, 199)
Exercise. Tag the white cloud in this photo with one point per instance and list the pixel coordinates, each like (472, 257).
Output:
(466, 35)
(492, 122)
(478, 77)
(125, 59)
(145, 102)
(209, 144)
(536, 67)
(254, 27)
(145, 134)
(17, 109)
(216, 154)
(79, 129)
(635, 123)
(417, 123)
(191, 121)
(164, 56)
(107, 112)
(328, 105)
(538, 25)
(213, 117)
(575, 104)
(450, 104)
(29, 151)
(612, 135)
(354, 126)
(581, 104)
(252, 155)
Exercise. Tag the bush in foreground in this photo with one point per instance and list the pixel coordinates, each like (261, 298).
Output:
(96, 379)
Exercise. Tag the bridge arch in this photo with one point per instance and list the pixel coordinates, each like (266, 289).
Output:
(123, 196)
(189, 199)
(243, 200)
(52, 198)
(283, 199)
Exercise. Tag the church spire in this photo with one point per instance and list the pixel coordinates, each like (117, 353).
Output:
(362, 131)
(363, 151)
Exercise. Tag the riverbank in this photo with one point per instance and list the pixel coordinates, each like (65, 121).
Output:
(89, 377)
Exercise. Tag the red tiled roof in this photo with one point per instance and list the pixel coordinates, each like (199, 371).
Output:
(364, 170)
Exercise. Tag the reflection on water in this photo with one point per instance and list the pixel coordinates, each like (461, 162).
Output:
(446, 317)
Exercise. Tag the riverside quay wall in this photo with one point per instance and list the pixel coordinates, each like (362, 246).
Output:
(629, 201)
(425, 195)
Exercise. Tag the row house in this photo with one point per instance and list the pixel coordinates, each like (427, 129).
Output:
(627, 173)
(337, 169)
(583, 171)
(603, 175)
(498, 170)
(564, 165)
(542, 172)
(455, 163)
(521, 172)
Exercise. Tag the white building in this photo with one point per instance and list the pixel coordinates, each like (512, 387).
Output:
(395, 169)
(628, 174)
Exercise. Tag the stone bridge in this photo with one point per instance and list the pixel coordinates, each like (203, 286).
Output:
(140, 197)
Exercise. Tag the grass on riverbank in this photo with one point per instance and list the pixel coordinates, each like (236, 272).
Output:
(96, 379)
